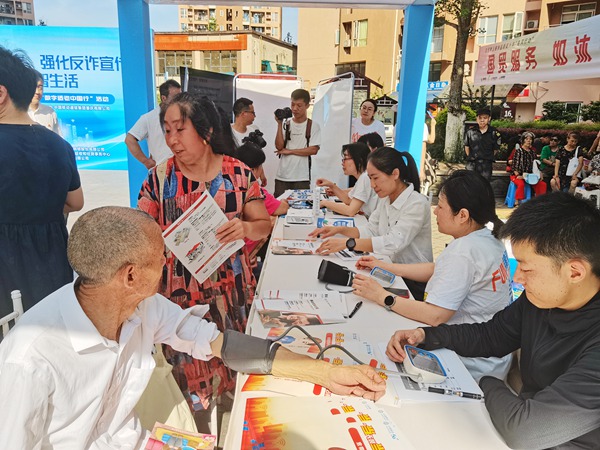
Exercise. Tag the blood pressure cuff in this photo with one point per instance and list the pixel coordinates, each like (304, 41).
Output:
(248, 354)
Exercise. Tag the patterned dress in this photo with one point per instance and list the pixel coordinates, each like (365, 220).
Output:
(229, 291)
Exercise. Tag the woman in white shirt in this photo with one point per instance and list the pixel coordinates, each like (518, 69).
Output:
(361, 197)
(469, 281)
(400, 226)
(366, 123)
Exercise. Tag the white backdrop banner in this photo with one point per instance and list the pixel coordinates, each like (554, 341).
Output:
(268, 94)
(333, 112)
(569, 51)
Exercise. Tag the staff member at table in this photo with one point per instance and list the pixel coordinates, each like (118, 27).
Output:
(400, 226)
(469, 281)
(75, 365)
(555, 323)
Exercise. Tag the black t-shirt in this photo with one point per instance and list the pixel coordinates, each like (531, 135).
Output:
(482, 145)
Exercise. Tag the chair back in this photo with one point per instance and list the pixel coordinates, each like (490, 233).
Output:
(5, 322)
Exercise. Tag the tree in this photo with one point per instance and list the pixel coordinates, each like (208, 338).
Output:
(212, 24)
(591, 111)
(462, 16)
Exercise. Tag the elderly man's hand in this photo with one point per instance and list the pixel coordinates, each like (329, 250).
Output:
(360, 381)
(332, 245)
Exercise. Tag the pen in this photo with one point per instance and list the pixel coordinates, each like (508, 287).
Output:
(356, 308)
(457, 393)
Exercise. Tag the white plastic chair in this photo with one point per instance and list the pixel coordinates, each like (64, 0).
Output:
(13, 316)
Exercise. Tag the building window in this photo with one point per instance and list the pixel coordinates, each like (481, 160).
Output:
(237, 14)
(212, 14)
(27, 8)
(221, 13)
(184, 27)
(246, 27)
(246, 17)
(512, 26)
(488, 27)
(169, 62)
(221, 61)
(437, 39)
(360, 33)
(573, 13)
(183, 12)
(358, 67)
(275, 31)
(275, 17)
(435, 71)
(259, 29)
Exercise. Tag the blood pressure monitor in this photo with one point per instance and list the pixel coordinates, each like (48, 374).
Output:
(383, 277)
(424, 365)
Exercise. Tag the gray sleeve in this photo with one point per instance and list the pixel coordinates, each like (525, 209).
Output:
(565, 410)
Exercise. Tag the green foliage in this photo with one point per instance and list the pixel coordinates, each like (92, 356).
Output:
(212, 24)
(557, 111)
(442, 116)
(476, 98)
(436, 150)
(591, 111)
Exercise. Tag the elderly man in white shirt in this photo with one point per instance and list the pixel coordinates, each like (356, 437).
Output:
(74, 367)
(148, 127)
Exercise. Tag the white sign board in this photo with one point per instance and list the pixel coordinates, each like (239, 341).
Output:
(333, 112)
(566, 52)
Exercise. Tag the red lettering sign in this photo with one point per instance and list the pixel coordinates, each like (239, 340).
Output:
(530, 58)
(581, 49)
(502, 62)
(491, 64)
(515, 62)
(559, 52)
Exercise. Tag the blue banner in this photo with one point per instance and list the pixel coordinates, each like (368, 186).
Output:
(82, 82)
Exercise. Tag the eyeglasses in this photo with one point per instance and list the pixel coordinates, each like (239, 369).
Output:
(554, 139)
(251, 112)
(346, 158)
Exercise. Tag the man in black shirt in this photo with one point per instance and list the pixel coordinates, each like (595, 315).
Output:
(555, 323)
(481, 142)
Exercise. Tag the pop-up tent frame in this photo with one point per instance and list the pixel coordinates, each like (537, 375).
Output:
(138, 83)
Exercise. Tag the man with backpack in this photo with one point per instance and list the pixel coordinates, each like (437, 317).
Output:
(297, 139)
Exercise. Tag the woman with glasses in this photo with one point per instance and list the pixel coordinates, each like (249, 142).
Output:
(366, 123)
(548, 159)
(400, 226)
(565, 179)
(361, 197)
(523, 161)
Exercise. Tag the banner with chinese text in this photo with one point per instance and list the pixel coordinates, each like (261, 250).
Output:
(569, 51)
(82, 82)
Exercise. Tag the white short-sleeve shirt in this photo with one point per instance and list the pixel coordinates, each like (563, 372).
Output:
(363, 191)
(359, 129)
(401, 229)
(239, 137)
(64, 385)
(294, 167)
(472, 277)
(148, 127)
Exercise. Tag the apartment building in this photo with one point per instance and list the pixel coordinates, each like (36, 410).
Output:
(335, 41)
(16, 13)
(260, 19)
(368, 41)
(223, 51)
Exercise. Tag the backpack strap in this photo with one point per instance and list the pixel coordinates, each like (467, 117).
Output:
(287, 134)
(307, 135)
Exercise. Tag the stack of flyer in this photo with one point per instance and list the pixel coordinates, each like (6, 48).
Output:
(279, 308)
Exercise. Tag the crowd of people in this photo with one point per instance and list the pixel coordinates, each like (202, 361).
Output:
(75, 365)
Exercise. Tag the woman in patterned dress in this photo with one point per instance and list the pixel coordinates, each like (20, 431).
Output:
(200, 138)
(522, 164)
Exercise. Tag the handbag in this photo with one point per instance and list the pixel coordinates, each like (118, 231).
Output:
(573, 163)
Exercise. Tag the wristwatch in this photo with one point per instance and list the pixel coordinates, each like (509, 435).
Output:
(350, 244)
(389, 302)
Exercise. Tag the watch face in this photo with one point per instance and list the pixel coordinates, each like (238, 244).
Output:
(389, 300)
(351, 243)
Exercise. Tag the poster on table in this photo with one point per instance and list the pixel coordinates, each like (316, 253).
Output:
(565, 52)
(82, 82)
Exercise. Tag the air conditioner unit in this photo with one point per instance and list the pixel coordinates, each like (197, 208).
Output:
(348, 43)
(532, 24)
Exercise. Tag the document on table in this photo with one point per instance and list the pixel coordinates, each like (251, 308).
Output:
(459, 379)
(319, 423)
(192, 238)
(338, 299)
(288, 312)
(294, 247)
